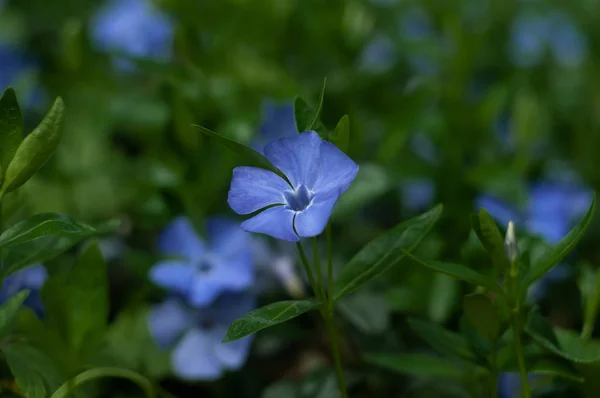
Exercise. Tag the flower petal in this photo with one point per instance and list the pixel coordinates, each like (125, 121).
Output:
(204, 291)
(313, 220)
(336, 170)
(167, 321)
(173, 275)
(253, 189)
(236, 274)
(194, 357)
(502, 212)
(276, 222)
(297, 157)
(180, 238)
(232, 355)
(227, 239)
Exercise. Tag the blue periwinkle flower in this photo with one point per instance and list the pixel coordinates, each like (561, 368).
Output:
(510, 386)
(277, 121)
(14, 66)
(135, 28)
(415, 24)
(199, 271)
(31, 278)
(318, 174)
(529, 39)
(196, 336)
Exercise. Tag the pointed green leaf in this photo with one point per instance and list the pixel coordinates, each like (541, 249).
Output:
(267, 316)
(11, 128)
(67, 389)
(560, 250)
(416, 365)
(367, 311)
(443, 340)
(488, 233)
(564, 343)
(308, 119)
(35, 373)
(249, 154)
(554, 367)
(9, 309)
(482, 314)
(384, 252)
(341, 135)
(35, 150)
(76, 303)
(459, 272)
(41, 225)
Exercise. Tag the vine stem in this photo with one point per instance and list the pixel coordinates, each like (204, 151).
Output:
(95, 373)
(317, 262)
(308, 271)
(520, 356)
(329, 267)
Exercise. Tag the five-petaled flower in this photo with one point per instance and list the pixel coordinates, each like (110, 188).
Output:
(318, 173)
(196, 335)
(31, 278)
(199, 271)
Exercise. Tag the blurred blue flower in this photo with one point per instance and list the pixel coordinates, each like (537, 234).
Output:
(275, 266)
(14, 66)
(422, 145)
(196, 336)
(533, 35)
(378, 56)
(134, 28)
(415, 24)
(318, 172)
(277, 121)
(417, 194)
(510, 386)
(31, 278)
(199, 271)
(567, 43)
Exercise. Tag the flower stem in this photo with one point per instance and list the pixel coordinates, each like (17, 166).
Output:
(96, 373)
(329, 267)
(494, 370)
(317, 261)
(335, 351)
(309, 273)
(520, 357)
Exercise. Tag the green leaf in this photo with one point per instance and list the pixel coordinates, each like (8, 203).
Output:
(76, 303)
(564, 343)
(249, 154)
(482, 314)
(589, 285)
(11, 129)
(281, 389)
(41, 225)
(459, 272)
(341, 135)
(560, 250)
(368, 311)
(443, 340)
(34, 372)
(416, 365)
(554, 367)
(9, 310)
(384, 252)
(36, 251)
(308, 119)
(267, 316)
(488, 233)
(35, 150)
(66, 390)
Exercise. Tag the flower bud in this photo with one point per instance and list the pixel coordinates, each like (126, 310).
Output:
(510, 243)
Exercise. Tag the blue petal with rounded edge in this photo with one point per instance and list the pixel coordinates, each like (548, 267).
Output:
(194, 357)
(277, 222)
(180, 239)
(253, 189)
(313, 220)
(297, 157)
(173, 275)
(167, 321)
(336, 170)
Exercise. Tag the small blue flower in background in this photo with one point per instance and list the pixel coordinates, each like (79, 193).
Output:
(31, 278)
(318, 172)
(415, 24)
(533, 35)
(417, 194)
(196, 335)
(200, 271)
(510, 386)
(277, 121)
(16, 69)
(567, 43)
(378, 56)
(135, 28)
(275, 266)
(552, 209)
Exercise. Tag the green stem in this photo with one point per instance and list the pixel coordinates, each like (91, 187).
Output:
(309, 273)
(317, 261)
(329, 267)
(96, 373)
(335, 351)
(520, 357)
(494, 370)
